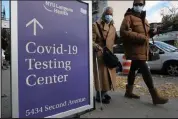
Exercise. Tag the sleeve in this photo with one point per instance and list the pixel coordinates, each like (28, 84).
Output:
(128, 35)
(95, 45)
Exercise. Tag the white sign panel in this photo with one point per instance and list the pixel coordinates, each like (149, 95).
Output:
(5, 24)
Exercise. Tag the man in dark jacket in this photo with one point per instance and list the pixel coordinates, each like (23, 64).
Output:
(135, 32)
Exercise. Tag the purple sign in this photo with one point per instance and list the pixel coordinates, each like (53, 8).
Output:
(53, 58)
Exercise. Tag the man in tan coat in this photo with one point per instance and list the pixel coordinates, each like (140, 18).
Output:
(107, 76)
(135, 32)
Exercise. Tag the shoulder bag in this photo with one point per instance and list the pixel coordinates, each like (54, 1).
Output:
(110, 60)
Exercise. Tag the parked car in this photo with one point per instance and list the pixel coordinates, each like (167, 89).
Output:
(168, 62)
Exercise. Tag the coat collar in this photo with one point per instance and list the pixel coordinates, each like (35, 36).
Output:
(104, 25)
(103, 22)
(130, 11)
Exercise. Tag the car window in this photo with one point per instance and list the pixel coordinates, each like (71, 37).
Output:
(165, 46)
(118, 49)
(154, 48)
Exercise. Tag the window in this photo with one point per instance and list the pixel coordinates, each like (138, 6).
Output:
(95, 6)
(156, 49)
(166, 47)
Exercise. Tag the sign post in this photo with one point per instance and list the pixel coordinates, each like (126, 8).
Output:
(52, 73)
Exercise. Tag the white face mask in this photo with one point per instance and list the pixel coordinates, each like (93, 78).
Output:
(138, 8)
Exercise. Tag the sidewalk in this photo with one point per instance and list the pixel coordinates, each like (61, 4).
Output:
(6, 99)
(121, 107)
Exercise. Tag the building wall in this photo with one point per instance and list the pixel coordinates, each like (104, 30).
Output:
(120, 7)
(155, 25)
(102, 5)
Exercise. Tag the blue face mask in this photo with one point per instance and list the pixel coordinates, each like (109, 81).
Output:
(138, 8)
(108, 18)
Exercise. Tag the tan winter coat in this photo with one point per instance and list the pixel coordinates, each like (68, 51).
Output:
(135, 35)
(107, 76)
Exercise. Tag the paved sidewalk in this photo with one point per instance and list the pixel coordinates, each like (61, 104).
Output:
(6, 99)
(121, 107)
